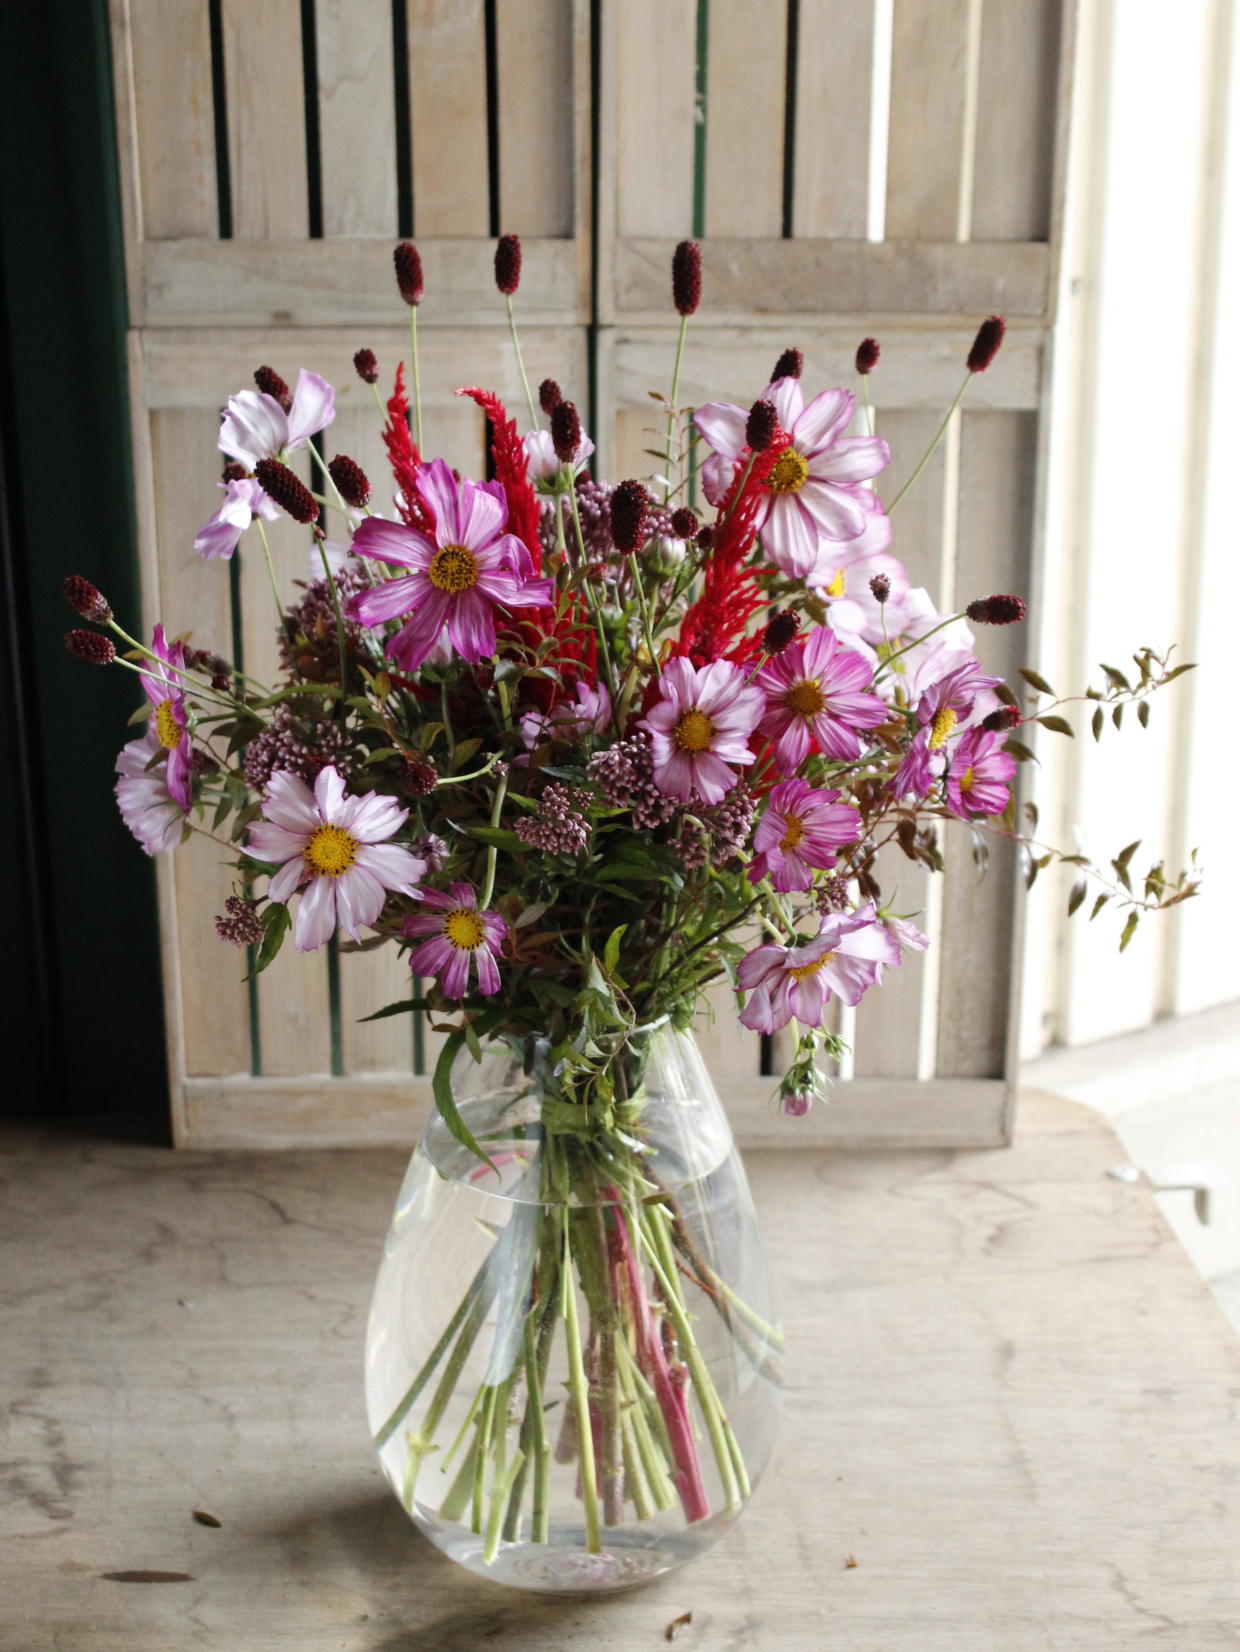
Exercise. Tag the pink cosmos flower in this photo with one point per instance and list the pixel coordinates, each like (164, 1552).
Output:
(812, 491)
(701, 724)
(568, 720)
(817, 690)
(243, 501)
(162, 680)
(841, 578)
(945, 705)
(722, 424)
(845, 958)
(456, 579)
(460, 934)
(256, 427)
(800, 830)
(334, 849)
(150, 813)
(978, 775)
(542, 465)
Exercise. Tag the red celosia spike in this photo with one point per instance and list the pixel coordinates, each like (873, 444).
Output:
(278, 482)
(687, 277)
(789, 366)
(986, 344)
(508, 264)
(271, 384)
(868, 352)
(404, 458)
(511, 472)
(89, 646)
(549, 395)
(565, 431)
(999, 610)
(408, 272)
(86, 599)
(350, 479)
(367, 366)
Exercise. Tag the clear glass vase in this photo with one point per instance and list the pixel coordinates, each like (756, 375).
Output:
(608, 1269)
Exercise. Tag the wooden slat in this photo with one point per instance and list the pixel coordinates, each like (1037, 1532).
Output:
(831, 176)
(746, 73)
(534, 46)
(654, 44)
(889, 1017)
(448, 104)
(368, 981)
(917, 524)
(266, 119)
(1016, 121)
(171, 47)
(929, 55)
(357, 117)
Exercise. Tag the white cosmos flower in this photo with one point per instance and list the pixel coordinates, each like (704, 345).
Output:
(142, 795)
(256, 427)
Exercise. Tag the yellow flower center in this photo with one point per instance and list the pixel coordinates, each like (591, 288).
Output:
(944, 722)
(793, 834)
(167, 729)
(788, 473)
(330, 851)
(836, 587)
(453, 569)
(966, 781)
(804, 971)
(694, 731)
(805, 699)
(463, 929)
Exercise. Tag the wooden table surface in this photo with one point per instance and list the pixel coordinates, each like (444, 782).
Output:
(1010, 1399)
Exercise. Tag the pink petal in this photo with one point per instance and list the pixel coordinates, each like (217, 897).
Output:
(822, 421)
(482, 516)
(313, 409)
(471, 627)
(385, 541)
(395, 868)
(418, 637)
(359, 899)
(290, 803)
(712, 778)
(275, 843)
(723, 426)
(316, 915)
(437, 485)
(253, 427)
(432, 956)
(852, 459)
(286, 880)
(786, 397)
(674, 778)
(329, 795)
(833, 509)
(373, 818)
(217, 538)
(790, 537)
(455, 978)
(488, 973)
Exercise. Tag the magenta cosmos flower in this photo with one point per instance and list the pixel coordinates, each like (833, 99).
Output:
(256, 427)
(701, 724)
(458, 935)
(800, 831)
(456, 579)
(162, 678)
(815, 690)
(845, 958)
(243, 501)
(150, 812)
(978, 775)
(334, 849)
(943, 705)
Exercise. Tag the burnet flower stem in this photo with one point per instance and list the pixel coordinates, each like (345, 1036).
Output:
(671, 417)
(939, 434)
(644, 611)
(417, 383)
(271, 572)
(593, 604)
(516, 344)
(488, 887)
(340, 632)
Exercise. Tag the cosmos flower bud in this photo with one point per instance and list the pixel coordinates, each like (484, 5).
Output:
(350, 480)
(796, 1105)
(235, 471)
(867, 356)
(367, 366)
(271, 384)
(998, 722)
(86, 600)
(629, 506)
(508, 264)
(780, 633)
(880, 587)
(986, 344)
(89, 646)
(789, 366)
(408, 272)
(761, 425)
(565, 431)
(549, 396)
(242, 926)
(687, 277)
(1000, 610)
(663, 556)
(684, 522)
(289, 492)
(419, 777)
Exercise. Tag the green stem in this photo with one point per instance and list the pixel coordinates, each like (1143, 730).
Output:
(579, 1394)
(447, 723)
(925, 458)
(593, 604)
(424, 1440)
(262, 534)
(461, 1489)
(493, 853)
(516, 344)
(417, 384)
(486, 1419)
(644, 611)
(671, 417)
(340, 632)
(479, 1287)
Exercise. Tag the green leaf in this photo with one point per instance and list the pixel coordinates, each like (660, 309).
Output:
(471, 1038)
(1031, 815)
(495, 837)
(1176, 671)
(402, 1006)
(1143, 714)
(1004, 694)
(383, 753)
(1057, 725)
(141, 715)
(1077, 897)
(1098, 905)
(1035, 680)
(1117, 678)
(222, 812)
(441, 1085)
(558, 994)
(531, 914)
(463, 753)
(1125, 855)
(1130, 929)
(277, 921)
(611, 952)
(1117, 716)
(1096, 725)
(1021, 752)
(429, 733)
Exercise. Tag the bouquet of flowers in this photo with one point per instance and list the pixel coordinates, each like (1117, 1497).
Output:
(581, 752)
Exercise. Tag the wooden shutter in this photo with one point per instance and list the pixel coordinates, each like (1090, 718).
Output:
(271, 148)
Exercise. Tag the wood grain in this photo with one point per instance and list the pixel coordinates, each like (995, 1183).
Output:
(448, 107)
(534, 45)
(357, 117)
(266, 119)
(928, 72)
(831, 176)
(655, 91)
(1013, 170)
(171, 46)
(746, 74)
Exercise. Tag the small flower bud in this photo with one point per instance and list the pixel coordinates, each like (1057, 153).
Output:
(705, 537)
(508, 264)
(433, 850)
(367, 366)
(1001, 610)
(789, 366)
(289, 492)
(780, 633)
(797, 1104)
(89, 646)
(350, 480)
(867, 356)
(629, 506)
(84, 599)
(986, 344)
(761, 425)
(235, 471)
(271, 384)
(687, 277)
(419, 776)
(663, 556)
(880, 587)
(998, 722)
(549, 396)
(242, 926)
(684, 522)
(408, 273)
(565, 432)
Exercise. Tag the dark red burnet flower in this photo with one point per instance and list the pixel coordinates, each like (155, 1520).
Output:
(211, 664)
(684, 522)
(271, 384)
(549, 396)
(367, 366)
(565, 431)
(789, 366)
(780, 632)
(986, 344)
(350, 479)
(687, 277)
(408, 263)
(761, 425)
(289, 492)
(1000, 721)
(85, 599)
(419, 776)
(508, 264)
(705, 537)
(235, 471)
(997, 610)
(868, 352)
(630, 504)
(880, 587)
(89, 646)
